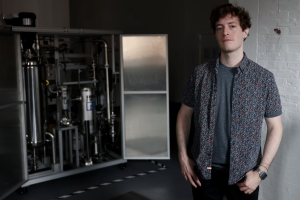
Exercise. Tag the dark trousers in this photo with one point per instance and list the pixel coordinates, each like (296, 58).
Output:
(217, 187)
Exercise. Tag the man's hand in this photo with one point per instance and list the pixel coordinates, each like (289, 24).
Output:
(252, 180)
(187, 170)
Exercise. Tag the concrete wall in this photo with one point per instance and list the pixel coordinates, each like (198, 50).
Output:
(182, 20)
(50, 13)
(279, 53)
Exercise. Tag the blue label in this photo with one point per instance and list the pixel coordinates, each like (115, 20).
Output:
(90, 106)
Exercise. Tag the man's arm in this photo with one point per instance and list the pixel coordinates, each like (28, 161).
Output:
(183, 126)
(273, 140)
(274, 135)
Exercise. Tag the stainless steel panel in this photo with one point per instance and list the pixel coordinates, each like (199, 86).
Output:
(146, 126)
(12, 136)
(9, 91)
(144, 63)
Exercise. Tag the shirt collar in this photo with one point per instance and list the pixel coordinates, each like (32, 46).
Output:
(241, 67)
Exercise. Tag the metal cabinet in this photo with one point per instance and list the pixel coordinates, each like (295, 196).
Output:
(12, 119)
(145, 99)
(140, 83)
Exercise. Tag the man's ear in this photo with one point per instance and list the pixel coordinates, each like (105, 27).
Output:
(246, 32)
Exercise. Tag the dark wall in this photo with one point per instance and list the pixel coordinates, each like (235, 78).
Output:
(183, 21)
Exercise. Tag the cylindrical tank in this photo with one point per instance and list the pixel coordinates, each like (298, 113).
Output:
(33, 103)
(88, 107)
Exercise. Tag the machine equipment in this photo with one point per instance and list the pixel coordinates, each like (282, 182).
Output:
(69, 94)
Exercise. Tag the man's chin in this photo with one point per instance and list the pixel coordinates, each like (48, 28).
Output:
(228, 50)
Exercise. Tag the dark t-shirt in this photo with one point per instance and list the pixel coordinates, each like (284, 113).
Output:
(221, 144)
(221, 150)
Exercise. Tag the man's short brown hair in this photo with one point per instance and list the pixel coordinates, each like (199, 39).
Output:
(222, 11)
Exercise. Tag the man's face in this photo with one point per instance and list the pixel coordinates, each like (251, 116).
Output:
(229, 34)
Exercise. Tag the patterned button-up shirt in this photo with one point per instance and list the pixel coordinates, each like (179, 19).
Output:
(255, 96)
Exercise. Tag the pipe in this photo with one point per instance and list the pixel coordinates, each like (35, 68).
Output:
(96, 152)
(87, 142)
(53, 147)
(37, 47)
(105, 47)
(112, 124)
(35, 164)
(107, 94)
(58, 103)
(101, 143)
(94, 73)
(107, 79)
(45, 117)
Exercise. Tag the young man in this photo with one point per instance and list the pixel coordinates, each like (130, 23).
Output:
(229, 96)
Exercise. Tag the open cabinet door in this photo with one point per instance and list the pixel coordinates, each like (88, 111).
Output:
(145, 96)
(13, 168)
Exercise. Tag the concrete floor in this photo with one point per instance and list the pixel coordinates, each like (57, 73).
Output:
(162, 185)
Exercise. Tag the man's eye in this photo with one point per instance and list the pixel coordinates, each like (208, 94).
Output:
(218, 29)
(233, 26)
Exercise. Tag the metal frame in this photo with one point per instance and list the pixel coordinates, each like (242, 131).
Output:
(55, 172)
(144, 92)
(79, 82)
(73, 172)
(60, 142)
(122, 97)
(22, 93)
(58, 81)
(65, 31)
(57, 169)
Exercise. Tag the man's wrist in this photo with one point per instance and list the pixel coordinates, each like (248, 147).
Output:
(264, 167)
(182, 155)
(262, 174)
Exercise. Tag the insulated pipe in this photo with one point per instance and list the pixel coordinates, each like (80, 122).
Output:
(53, 146)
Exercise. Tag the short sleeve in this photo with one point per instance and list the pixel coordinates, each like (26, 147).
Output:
(273, 104)
(189, 91)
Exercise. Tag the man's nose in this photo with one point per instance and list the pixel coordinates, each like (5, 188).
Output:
(225, 31)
